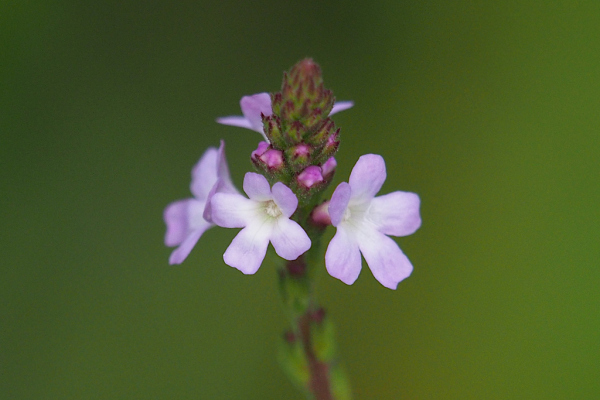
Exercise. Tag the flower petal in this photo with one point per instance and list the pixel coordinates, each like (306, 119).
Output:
(176, 219)
(181, 253)
(232, 210)
(339, 203)
(289, 239)
(396, 213)
(182, 217)
(257, 187)
(260, 150)
(204, 174)
(285, 199)
(342, 258)
(385, 259)
(367, 177)
(223, 184)
(235, 120)
(223, 171)
(219, 187)
(341, 106)
(252, 106)
(247, 250)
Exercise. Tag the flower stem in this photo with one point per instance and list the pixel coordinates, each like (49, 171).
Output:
(308, 351)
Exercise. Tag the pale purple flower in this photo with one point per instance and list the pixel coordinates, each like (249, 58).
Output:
(265, 217)
(363, 221)
(185, 218)
(252, 106)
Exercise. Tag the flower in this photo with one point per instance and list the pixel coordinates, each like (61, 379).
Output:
(255, 105)
(265, 217)
(363, 221)
(185, 219)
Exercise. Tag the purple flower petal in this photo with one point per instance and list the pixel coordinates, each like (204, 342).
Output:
(260, 150)
(396, 213)
(223, 183)
(219, 187)
(176, 219)
(285, 199)
(257, 187)
(247, 250)
(339, 203)
(204, 174)
(367, 177)
(342, 258)
(231, 210)
(234, 120)
(223, 171)
(181, 253)
(289, 239)
(252, 106)
(385, 259)
(341, 106)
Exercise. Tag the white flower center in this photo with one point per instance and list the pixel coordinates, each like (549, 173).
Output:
(272, 209)
(347, 214)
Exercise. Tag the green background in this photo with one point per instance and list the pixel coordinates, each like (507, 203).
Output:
(488, 110)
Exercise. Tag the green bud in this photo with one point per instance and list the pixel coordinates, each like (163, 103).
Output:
(294, 289)
(293, 360)
(298, 157)
(322, 132)
(339, 383)
(323, 337)
(272, 128)
(329, 148)
(295, 132)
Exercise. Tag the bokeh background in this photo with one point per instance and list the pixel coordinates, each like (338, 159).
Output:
(488, 110)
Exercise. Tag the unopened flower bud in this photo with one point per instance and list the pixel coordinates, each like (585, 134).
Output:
(295, 132)
(310, 176)
(272, 129)
(320, 215)
(272, 158)
(298, 157)
(267, 156)
(329, 166)
(262, 147)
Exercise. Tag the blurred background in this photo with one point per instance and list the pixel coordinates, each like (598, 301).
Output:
(487, 110)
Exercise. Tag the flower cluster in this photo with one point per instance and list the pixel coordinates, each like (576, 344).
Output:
(295, 164)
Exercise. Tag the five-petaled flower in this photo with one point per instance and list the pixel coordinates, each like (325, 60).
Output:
(265, 217)
(255, 105)
(188, 219)
(363, 221)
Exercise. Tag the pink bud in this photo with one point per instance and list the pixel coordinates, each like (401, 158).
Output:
(302, 150)
(273, 158)
(320, 215)
(329, 166)
(262, 147)
(310, 176)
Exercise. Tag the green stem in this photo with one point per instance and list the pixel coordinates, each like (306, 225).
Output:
(310, 344)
